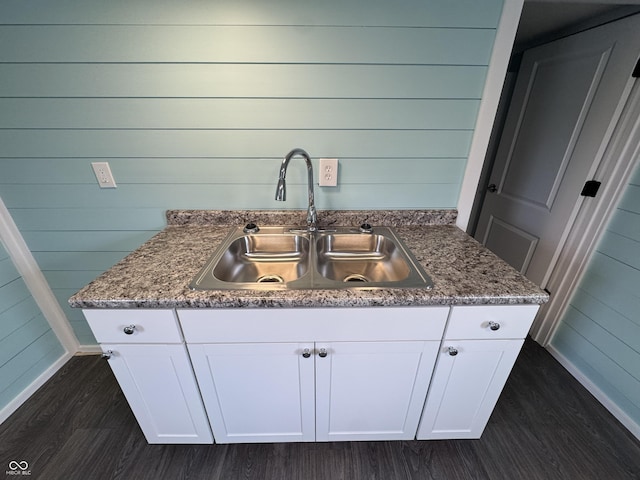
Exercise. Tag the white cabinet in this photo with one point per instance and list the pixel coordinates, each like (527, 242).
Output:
(372, 390)
(257, 392)
(480, 346)
(152, 366)
(465, 387)
(313, 374)
(159, 385)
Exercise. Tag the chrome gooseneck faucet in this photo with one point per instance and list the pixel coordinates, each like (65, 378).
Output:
(281, 190)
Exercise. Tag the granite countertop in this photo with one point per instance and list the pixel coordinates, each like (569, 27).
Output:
(158, 273)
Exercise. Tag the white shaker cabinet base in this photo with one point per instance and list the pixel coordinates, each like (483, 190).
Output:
(257, 392)
(161, 389)
(293, 392)
(372, 390)
(465, 387)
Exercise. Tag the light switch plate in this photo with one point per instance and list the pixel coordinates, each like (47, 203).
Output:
(328, 172)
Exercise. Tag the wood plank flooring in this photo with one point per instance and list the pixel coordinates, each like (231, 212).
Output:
(545, 426)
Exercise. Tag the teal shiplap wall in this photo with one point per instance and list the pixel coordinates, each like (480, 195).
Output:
(600, 332)
(194, 104)
(28, 346)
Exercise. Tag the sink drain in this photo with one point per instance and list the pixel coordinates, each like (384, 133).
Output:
(270, 279)
(354, 277)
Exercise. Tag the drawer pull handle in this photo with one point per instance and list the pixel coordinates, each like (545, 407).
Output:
(452, 351)
(494, 326)
(107, 355)
(129, 329)
(323, 352)
(306, 353)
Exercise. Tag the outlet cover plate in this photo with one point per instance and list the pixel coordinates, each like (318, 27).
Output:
(103, 174)
(328, 176)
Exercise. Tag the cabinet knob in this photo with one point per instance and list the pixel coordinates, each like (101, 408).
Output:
(452, 351)
(492, 188)
(494, 326)
(323, 352)
(129, 329)
(306, 353)
(107, 355)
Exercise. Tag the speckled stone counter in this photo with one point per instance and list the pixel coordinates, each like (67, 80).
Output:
(158, 273)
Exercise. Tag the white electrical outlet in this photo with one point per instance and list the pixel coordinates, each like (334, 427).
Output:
(103, 174)
(328, 176)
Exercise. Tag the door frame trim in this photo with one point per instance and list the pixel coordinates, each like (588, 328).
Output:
(496, 76)
(621, 154)
(33, 277)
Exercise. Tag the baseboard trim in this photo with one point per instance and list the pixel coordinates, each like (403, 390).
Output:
(594, 390)
(35, 385)
(89, 350)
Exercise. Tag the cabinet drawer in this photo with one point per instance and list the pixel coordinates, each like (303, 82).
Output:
(475, 322)
(312, 324)
(149, 326)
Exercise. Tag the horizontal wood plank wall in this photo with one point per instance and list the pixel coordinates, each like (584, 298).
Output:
(28, 346)
(194, 104)
(600, 332)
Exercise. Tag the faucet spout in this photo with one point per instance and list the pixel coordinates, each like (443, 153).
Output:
(281, 189)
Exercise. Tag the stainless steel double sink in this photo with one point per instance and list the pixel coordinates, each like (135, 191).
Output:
(277, 258)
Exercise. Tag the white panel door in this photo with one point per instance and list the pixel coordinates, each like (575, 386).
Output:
(257, 392)
(465, 387)
(161, 389)
(371, 390)
(565, 102)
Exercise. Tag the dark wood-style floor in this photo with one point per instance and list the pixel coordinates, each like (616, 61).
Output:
(545, 426)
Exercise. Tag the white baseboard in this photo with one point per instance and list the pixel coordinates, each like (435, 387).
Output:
(622, 417)
(35, 385)
(89, 350)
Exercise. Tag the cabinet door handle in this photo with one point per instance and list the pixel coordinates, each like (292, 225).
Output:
(452, 351)
(107, 355)
(494, 326)
(129, 329)
(306, 353)
(323, 353)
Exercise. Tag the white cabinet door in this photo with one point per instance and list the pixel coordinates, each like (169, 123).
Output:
(465, 387)
(161, 389)
(257, 392)
(371, 390)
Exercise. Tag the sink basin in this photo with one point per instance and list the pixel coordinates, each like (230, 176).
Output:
(354, 257)
(276, 258)
(264, 259)
(273, 257)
